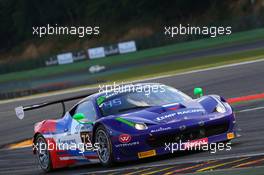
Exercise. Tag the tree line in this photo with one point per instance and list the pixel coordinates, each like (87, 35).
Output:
(18, 16)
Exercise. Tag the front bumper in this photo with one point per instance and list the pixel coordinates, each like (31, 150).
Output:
(149, 143)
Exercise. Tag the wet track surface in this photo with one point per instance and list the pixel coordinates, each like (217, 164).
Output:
(229, 82)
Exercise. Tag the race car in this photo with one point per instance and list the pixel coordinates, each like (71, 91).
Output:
(129, 124)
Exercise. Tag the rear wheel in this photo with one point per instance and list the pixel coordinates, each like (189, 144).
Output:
(43, 154)
(104, 151)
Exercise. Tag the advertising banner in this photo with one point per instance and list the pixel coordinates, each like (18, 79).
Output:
(65, 58)
(111, 50)
(126, 47)
(97, 52)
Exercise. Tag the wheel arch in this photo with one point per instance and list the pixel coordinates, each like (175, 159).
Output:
(34, 141)
(95, 128)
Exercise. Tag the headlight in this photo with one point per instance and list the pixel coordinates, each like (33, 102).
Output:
(141, 126)
(220, 108)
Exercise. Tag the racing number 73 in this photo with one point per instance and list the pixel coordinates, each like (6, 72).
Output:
(85, 137)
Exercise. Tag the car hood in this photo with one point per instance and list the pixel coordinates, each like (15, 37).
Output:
(166, 113)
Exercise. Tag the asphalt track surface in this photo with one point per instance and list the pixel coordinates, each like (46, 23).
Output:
(228, 82)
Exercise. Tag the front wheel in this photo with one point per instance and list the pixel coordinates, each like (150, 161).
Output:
(104, 151)
(43, 154)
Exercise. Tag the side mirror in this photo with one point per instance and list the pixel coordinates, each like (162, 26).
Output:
(198, 92)
(79, 116)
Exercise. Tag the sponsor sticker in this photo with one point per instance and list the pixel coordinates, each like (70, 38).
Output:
(126, 144)
(160, 129)
(166, 116)
(189, 111)
(20, 112)
(145, 154)
(82, 127)
(124, 138)
(172, 115)
(196, 143)
(230, 135)
(67, 141)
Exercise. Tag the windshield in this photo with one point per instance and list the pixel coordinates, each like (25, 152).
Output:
(127, 101)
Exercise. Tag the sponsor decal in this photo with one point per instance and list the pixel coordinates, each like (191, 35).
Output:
(196, 143)
(190, 111)
(82, 127)
(230, 135)
(124, 138)
(160, 129)
(166, 116)
(70, 141)
(20, 112)
(179, 113)
(127, 144)
(147, 154)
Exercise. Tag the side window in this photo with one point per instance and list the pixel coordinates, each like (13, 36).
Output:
(87, 108)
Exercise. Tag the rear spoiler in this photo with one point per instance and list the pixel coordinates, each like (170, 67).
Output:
(20, 110)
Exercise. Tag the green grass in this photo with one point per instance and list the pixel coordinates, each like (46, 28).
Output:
(131, 58)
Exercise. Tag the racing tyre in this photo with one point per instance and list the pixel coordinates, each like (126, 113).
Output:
(105, 153)
(43, 154)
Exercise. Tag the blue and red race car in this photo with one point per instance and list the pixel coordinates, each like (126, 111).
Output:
(114, 126)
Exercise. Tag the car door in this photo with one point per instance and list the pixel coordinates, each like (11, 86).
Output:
(82, 131)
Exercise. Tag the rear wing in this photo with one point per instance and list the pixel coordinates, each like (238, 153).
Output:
(20, 110)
